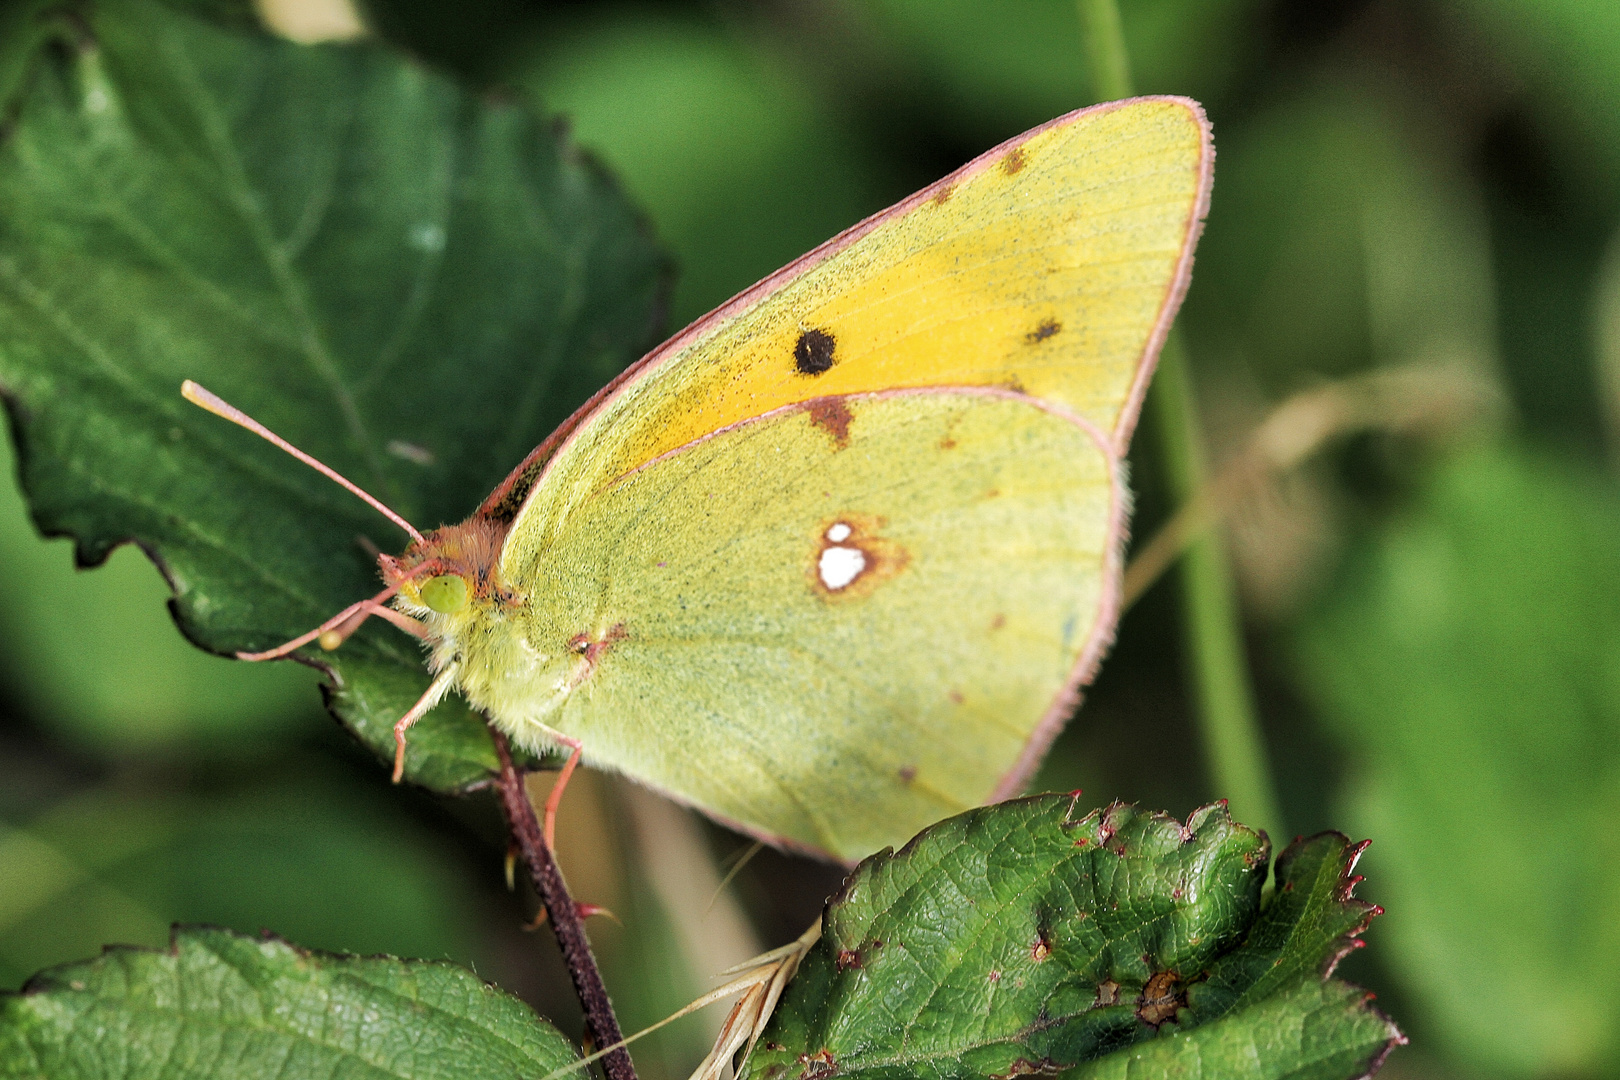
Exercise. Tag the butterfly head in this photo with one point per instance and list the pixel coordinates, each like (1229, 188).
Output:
(451, 573)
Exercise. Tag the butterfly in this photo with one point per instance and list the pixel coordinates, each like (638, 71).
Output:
(834, 561)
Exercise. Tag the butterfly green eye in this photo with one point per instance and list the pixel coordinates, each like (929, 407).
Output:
(445, 594)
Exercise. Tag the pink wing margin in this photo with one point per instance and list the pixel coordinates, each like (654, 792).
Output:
(532, 467)
(1112, 444)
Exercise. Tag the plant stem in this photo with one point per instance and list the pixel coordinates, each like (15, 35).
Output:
(563, 913)
(1214, 633)
(1106, 56)
(1231, 731)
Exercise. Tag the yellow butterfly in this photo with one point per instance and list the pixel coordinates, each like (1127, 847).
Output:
(833, 562)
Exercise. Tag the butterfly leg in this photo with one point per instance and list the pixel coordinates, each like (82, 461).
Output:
(554, 800)
(434, 694)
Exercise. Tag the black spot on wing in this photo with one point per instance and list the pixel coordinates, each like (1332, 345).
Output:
(813, 353)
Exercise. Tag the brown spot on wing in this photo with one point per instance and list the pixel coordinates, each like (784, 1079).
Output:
(998, 622)
(1015, 160)
(832, 415)
(590, 649)
(943, 195)
(1046, 329)
(908, 773)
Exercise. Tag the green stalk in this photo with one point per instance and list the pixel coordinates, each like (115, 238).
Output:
(1214, 634)
(1108, 59)
(1213, 624)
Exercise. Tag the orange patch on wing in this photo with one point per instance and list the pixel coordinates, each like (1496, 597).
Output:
(1014, 161)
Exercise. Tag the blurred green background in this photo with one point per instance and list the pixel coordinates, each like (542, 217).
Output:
(1431, 602)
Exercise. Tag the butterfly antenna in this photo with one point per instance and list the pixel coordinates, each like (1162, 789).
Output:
(220, 407)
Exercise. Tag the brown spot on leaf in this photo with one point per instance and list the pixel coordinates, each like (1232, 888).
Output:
(848, 958)
(817, 1065)
(1040, 950)
(1107, 993)
(1046, 329)
(908, 773)
(947, 443)
(1014, 161)
(956, 697)
(995, 976)
(1026, 1067)
(998, 622)
(832, 415)
(1160, 999)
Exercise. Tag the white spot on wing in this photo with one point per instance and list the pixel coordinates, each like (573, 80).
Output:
(840, 565)
(839, 533)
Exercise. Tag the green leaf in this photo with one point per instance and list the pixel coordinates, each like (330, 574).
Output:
(1470, 662)
(412, 284)
(115, 680)
(219, 1005)
(1013, 940)
(328, 863)
(741, 162)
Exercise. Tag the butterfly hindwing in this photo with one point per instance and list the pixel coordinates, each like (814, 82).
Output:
(779, 625)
